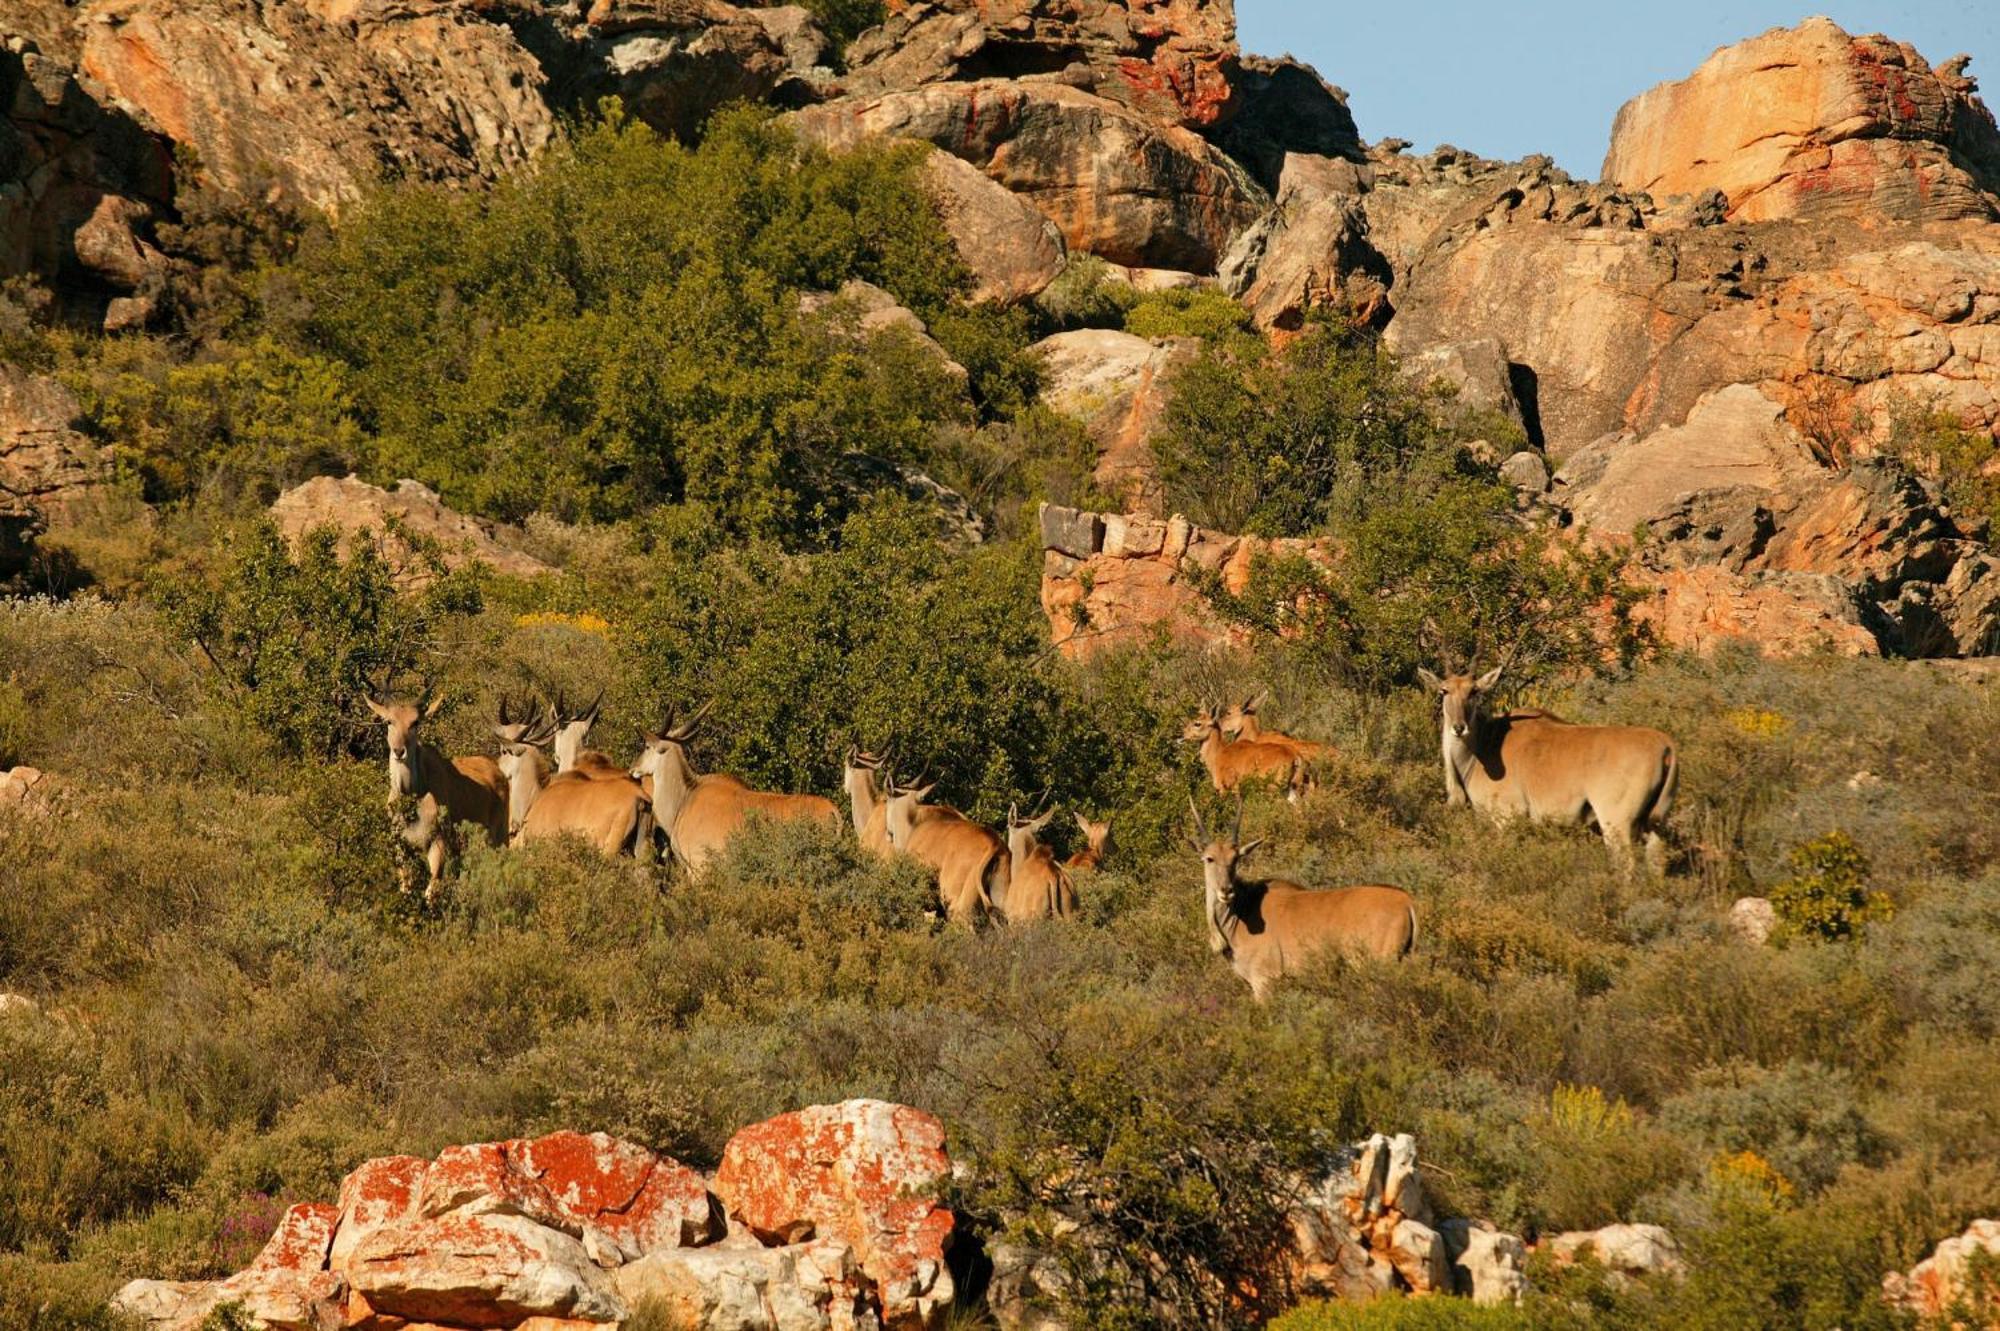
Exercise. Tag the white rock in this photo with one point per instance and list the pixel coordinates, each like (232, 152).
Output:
(1753, 918)
(1626, 1250)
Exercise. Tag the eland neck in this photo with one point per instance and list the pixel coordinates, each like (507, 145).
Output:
(674, 780)
(861, 796)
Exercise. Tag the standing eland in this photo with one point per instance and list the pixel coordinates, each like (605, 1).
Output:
(1533, 765)
(1268, 930)
(973, 865)
(700, 813)
(449, 791)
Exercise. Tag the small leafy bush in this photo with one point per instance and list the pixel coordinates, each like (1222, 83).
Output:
(1186, 312)
(1405, 1314)
(1827, 899)
(300, 640)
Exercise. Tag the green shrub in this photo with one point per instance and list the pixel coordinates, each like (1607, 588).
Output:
(1957, 460)
(38, 1296)
(1085, 295)
(301, 640)
(1405, 1314)
(619, 325)
(1827, 898)
(1186, 312)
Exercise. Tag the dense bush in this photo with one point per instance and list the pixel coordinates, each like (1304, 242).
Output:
(1827, 898)
(303, 639)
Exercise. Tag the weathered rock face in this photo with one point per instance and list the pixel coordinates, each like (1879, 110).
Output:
(1171, 62)
(864, 1174)
(352, 506)
(573, 1230)
(1012, 250)
(45, 463)
(1748, 536)
(1116, 385)
(1366, 1229)
(1111, 579)
(1811, 122)
(1311, 251)
(1115, 184)
(673, 62)
(79, 184)
(1946, 1279)
(313, 100)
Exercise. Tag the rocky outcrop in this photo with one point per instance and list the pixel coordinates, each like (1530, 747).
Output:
(1111, 579)
(1366, 1229)
(864, 1173)
(1810, 122)
(861, 310)
(312, 101)
(1626, 1251)
(1169, 62)
(46, 464)
(1745, 534)
(834, 1231)
(1116, 385)
(1115, 184)
(672, 63)
(80, 186)
(390, 518)
(1950, 1279)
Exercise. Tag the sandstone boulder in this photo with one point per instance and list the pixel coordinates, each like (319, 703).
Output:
(859, 310)
(1475, 370)
(1624, 1250)
(1753, 919)
(1309, 252)
(311, 101)
(352, 506)
(1170, 62)
(286, 1287)
(479, 1271)
(862, 1173)
(1115, 184)
(1116, 385)
(1947, 1279)
(1811, 122)
(46, 463)
(672, 63)
(1487, 1266)
(812, 1286)
(1012, 250)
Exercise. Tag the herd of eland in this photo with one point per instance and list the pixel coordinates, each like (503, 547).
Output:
(1519, 764)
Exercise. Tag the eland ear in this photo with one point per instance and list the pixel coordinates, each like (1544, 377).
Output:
(431, 707)
(379, 709)
(1243, 851)
(1431, 682)
(1489, 679)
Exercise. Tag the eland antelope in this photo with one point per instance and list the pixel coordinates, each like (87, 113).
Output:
(1096, 844)
(973, 865)
(1533, 765)
(1268, 929)
(1230, 763)
(700, 813)
(866, 803)
(1240, 723)
(1038, 888)
(449, 791)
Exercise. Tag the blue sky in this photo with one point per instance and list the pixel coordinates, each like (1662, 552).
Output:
(1507, 79)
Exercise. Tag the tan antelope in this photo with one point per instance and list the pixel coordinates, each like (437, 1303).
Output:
(1038, 888)
(449, 791)
(700, 813)
(1230, 763)
(972, 864)
(1096, 844)
(1534, 765)
(1240, 723)
(569, 731)
(1270, 929)
(866, 804)
(611, 813)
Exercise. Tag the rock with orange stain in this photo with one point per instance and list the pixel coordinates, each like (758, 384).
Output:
(1951, 1277)
(311, 101)
(1784, 614)
(378, 1192)
(863, 1173)
(637, 1199)
(1116, 184)
(1812, 122)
